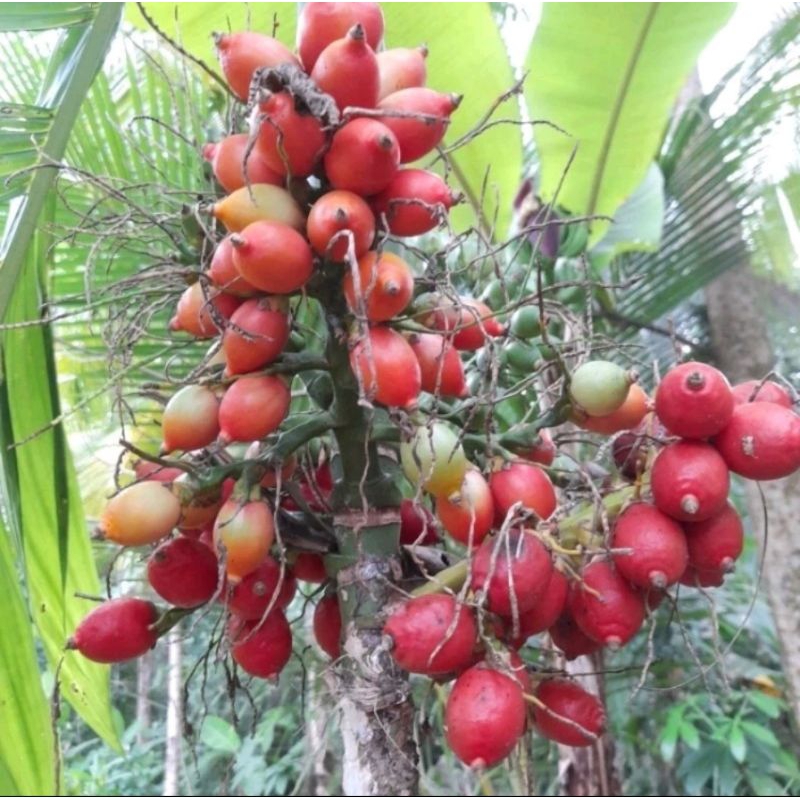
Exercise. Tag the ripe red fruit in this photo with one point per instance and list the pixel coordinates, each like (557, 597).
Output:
(468, 514)
(417, 525)
(117, 630)
(401, 68)
(569, 638)
(201, 313)
(697, 579)
(689, 480)
(386, 284)
(273, 257)
(290, 140)
(433, 634)
(527, 484)
(658, 547)
(440, 365)
(150, 471)
(484, 716)
(413, 202)
(253, 595)
(761, 441)
(605, 606)
(470, 320)
(386, 367)
(328, 625)
(548, 608)
(190, 419)
(715, 544)
(319, 24)
(243, 534)
(184, 572)
(331, 216)
(694, 400)
(257, 333)
(241, 54)
(628, 415)
(223, 274)
(571, 715)
(522, 570)
(253, 407)
(262, 648)
(140, 514)
(418, 135)
(363, 157)
(766, 392)
(541, 451)
(310, 567)
(227, 158)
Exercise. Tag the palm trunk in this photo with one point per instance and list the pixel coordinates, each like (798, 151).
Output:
(172, 753)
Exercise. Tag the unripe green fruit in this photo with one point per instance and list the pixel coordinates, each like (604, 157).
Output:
(434, 458)
(525, 322)
(493, 294)
(521, 357)
(599, 387)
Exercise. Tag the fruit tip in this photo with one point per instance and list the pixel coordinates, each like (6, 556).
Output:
(690, 504)
(356, 33)
(423, 50)
(658, 579)
(237, 240)
(613, 643)
(208, 151)
(71, 644)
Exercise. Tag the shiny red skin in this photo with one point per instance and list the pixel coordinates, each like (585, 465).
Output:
(223, 273)
(567, 699)
(194, 316)
(418, 135)
(241, 54)
(252, 595)
(471, 320)
(689, 481)
(542, 451)
(255, 337)
(347, 70)
(522, 577)
(228, 163)
(417, 525)
(525, 483)
(401, 68)
(769, 392)
(253, 407)
(440, 365)
(337, 212)
(704, 580)
(548, 608)
(716, 543)
(288, 141)
(363, 157)
(116, 630)
(426, 640)
(328, 625)
(613, 614)
(485, 716)
(395, 205)
(659, 553)
(569, 638)
(310, 567)
(694, 400)
(761, 441)
(468, 517)
(319, 24)
(263, 648)
(184, 572)
(387, 368)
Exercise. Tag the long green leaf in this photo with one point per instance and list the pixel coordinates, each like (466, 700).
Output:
(43, 16)
(609, 73)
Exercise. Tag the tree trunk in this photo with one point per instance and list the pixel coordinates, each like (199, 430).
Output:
(172, 754)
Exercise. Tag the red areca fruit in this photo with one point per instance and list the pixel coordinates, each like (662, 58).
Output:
(347, 70)
(605, 606)
(569, 638)
(223, 274)
(417, 524)
(433, 634)
(253, 407)
(258, 202)
(232, 171)
(568, 714)
(386, 367)
(184, 572)
(310, 567)
(763, 392)
(542, 449)
(257, 333)
(761, 441)
(689, 480)
(272, 257)
(385, 286)
(699, 579)
(262, 648)
(117, 630)
(715, 544)
(657, 543)
(694, 401)
(627, 416)
(548, 608)
(413, 202)
(140, 514)
(512, 571)
(468, 514)
(243, 533)
(319, 24)
(418, 135)
(440, 365)
(150, 471)
(190, 419)
(516, 482)
(328, 625)
(241, 54)
(485, 716)
(290, 140)
(261, 590)
(401, 68)
(332, 216)
(363, 157)
(470, 320)
(203, 313)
